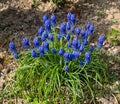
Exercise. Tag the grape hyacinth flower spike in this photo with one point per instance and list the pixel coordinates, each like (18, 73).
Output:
(61, 52)
(26, 43)
(69, 17)
(66, 68)
(87, 57)
(73, 19)
(40, 31)
(48, 25)
(100, 41)
(53, 20)
(36, 42)
(34, 53)
(63, 28)
(45, 17)
(12, 47)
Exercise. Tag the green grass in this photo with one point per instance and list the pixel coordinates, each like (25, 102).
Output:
(113, 36)
(44, 80)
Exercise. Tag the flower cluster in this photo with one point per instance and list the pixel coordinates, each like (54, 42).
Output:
(68, 44)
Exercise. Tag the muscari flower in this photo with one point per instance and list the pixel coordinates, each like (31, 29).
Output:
(26, 43)
(45, 17)
(82, 63)
(85, 42)
(78, 31)
(53, 20)
(100, 41)
(73, 18)
(15, 56)
(66, 68)
(91, 48)
(46, 46)
(69, 17)
(91, 29)
(87, 57)
(45, 34)
(83, 32)
(43, 37)
(72, 29)
(67, 37)
(88, 25)
(76, 54)
(48, 25)
(34, 53)
(36, 42)
(63, 28)
(12, 47)
(69, 44)
(41, 50)
(61, 52)
(50, 37)
(40, 31)
(66, 56)
(81, 48)
(75, 42)
(54, 51)
(68, 27)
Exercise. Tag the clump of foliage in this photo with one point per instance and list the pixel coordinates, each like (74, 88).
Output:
(62, 66)
(113, 36)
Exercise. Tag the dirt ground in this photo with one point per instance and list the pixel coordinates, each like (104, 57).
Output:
(19, 19)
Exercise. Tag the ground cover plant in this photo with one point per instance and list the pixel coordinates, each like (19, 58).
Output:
(61, 66)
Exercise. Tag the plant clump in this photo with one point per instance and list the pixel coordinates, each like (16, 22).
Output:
(62, 66)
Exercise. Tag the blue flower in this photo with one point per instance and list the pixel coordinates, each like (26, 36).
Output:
(75, 43)
(48, 25)
(91, 29)
(67, 37)
(81, 48)
(88, 25)
(73, 18)
(34, 53)
(41, 50)
(91, 48)
(45, 34)
(87, 57)
(76, 54)
(85, 42)
(43, 37)
(54, 51)
(63, 28)
(66, 56)
(68, 27)
(36, 42)
(53, 20)
(15, 56)
(40, 31)
(100, 41)
(78, 31)
(69, 44)
(73, 29)
(26, 43)
(83, 32)
(86, 35)
(61, 52)
(82, 63)
(46, 46)
(45, 17)
(50, 37)
(12, 47)
(66, 68)
(69, 17)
